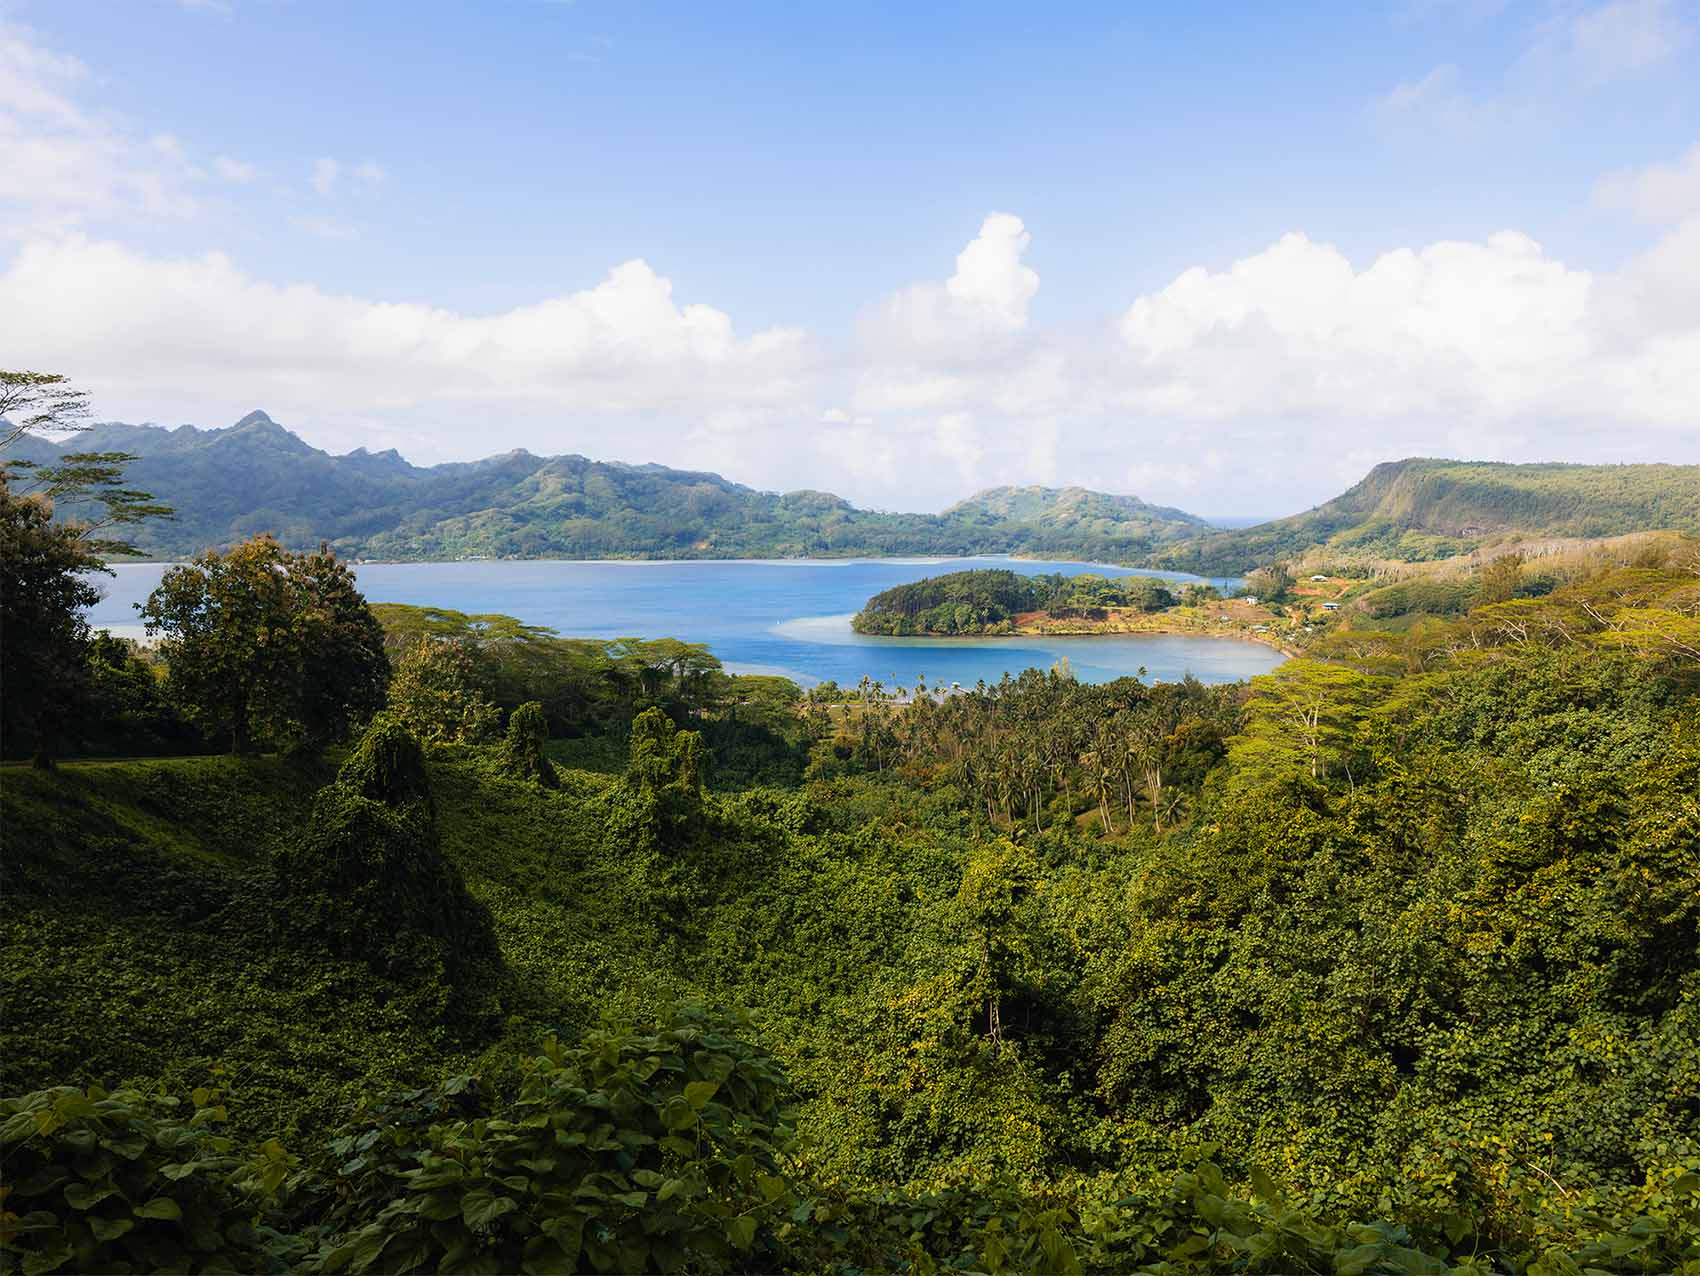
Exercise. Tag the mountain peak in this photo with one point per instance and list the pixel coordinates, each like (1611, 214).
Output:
(256, 417)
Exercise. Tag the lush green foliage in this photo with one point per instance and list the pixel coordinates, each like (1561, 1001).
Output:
(654, 1152)
(99, 1182)
(1389, 962)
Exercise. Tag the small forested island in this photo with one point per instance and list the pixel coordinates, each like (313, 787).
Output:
(339, 936)
(997, 602)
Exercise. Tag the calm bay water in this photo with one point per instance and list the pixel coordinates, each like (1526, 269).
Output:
(789, 617)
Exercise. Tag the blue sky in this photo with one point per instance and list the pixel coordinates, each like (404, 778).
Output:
(728, 236)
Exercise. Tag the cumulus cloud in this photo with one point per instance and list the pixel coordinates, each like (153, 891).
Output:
(984, 301)
(990, 279)
(1317, 365)
(1496, 331)
(198, 329)
(961, 344)
(1295, 328)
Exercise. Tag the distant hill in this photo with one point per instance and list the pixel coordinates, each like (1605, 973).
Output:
(257, 476)
(1066, 507)
(1420, 509)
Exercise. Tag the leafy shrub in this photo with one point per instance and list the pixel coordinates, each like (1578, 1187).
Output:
(125, 1182)
(633, 1152)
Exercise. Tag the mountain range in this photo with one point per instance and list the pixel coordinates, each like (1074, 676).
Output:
(257, 476)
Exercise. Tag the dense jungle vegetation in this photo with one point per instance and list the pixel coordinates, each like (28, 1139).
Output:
(507, 952)
(988, 601)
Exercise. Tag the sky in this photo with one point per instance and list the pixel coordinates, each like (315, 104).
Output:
(1220, 257)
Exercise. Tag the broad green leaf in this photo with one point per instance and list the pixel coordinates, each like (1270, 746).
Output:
(109, 1229)
(480, 1207)
(741, 1231)
(698, 1093)
(81, 1196)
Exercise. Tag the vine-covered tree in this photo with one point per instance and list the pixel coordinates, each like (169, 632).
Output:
(343, 668)
(522, 751)
(439, 693)
(261, 641)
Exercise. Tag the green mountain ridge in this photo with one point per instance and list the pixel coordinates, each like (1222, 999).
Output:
(257, 476)
(1426, 508)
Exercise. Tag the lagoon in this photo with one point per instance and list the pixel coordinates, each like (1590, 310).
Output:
(784, 616)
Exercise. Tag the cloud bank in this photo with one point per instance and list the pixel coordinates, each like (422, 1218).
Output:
(1291, 369)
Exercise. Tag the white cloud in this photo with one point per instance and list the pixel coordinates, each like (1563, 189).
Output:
(1579, 51)
(1459, 332)
(371, 172)
(1435, 96)
(65, 165)
(990, 278)
(199, 330)
(1316, 366)
(1615, 40)
(324, 227)
(939, 349)
(956, 439)
(1659, 193)
(325, 170)
(984, 301)
(235, 170)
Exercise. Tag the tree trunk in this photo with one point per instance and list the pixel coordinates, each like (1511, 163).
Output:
(239, 725)
(41, 757)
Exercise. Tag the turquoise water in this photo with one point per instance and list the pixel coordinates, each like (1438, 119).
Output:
(789, 617)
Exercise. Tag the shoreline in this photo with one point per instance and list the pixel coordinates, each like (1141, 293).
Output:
(656, 560)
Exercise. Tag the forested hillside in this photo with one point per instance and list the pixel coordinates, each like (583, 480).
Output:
(1416, 510)
(1388, 962)
(257, 477)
